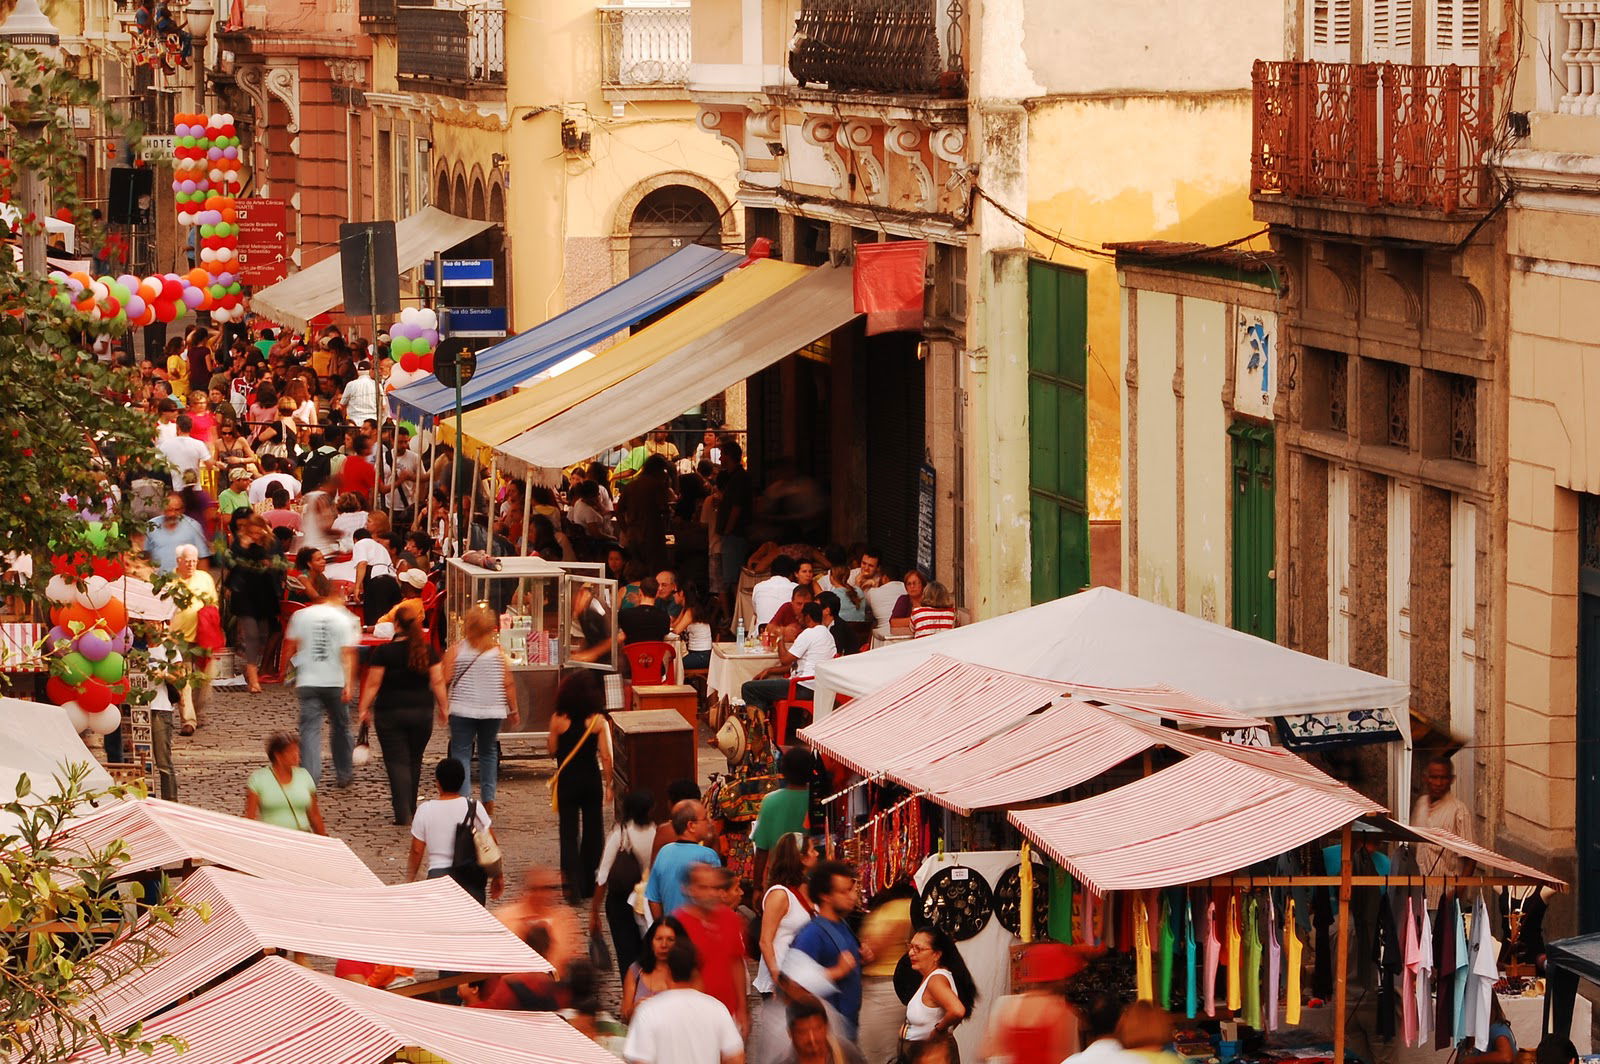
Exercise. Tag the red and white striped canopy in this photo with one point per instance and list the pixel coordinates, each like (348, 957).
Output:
(939, 708)
(1472, 851)
(159, 834)
(434, 925)
(276, 1012)
(1168, 702)
(1208, 815)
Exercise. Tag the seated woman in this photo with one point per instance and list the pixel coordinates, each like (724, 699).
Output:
(309, 564)
(936, 614)
(694, 624)
(916, 583)
(352, 516)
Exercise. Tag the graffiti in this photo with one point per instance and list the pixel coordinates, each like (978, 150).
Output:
(1255, 370)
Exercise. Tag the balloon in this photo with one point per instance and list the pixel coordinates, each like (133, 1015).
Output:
(165, 312)
(57, 691)
(106, 721)
(110, 668)
(77, 617)
(60, 590)
(114, 615)
(193, 297)
(135, 306)
(76, 714)
(93, 695)
(55, 636)
(426, 362)
(93, 646)
(123, 640)
(94, 593)
(408, 362)
(171, 288)
(75, 669)
(430, 318)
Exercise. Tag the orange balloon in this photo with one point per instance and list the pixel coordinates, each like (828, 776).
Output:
(78, 618)
(230, 215)
(114, 615)
(198, 276)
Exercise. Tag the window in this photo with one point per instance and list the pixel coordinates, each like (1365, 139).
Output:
(403, 176)
(385, 174)
(1389, 24)
(1327, 391)
(1329, 31)
(1463, 417)
(1455, 32)
(1397, 396)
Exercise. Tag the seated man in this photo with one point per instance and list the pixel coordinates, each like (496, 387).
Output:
(648, 622)
(813, 646)
(785, 624)
(770, 595)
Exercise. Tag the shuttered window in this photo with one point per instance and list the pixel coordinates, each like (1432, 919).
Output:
(1389, 31)
(1455, 32)
(1329, 31)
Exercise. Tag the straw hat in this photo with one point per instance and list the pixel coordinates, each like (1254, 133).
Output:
(731, 740)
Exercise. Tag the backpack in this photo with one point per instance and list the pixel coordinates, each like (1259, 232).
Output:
(625, 874)
(464, 867)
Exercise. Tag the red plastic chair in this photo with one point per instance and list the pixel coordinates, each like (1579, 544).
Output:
(649, 663)
(781, 710)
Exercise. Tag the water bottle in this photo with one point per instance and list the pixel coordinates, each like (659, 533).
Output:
(738, 636)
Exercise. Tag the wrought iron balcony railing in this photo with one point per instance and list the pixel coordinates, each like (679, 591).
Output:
(644, 46)
(1379, 134)
(881, 46)
(381, 12)
(459, 45)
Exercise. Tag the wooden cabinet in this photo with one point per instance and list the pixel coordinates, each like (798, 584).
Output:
(652, 748)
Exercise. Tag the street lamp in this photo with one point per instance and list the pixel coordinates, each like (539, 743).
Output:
(29, 28)
(197, 18)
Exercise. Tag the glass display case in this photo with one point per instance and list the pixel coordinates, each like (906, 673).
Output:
(552, 616)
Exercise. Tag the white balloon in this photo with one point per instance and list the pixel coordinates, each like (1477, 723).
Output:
(95, 593)
(409, 315)
(106, 721)
(61, 591)
(428, 318)
(219, 314)
(76, 715)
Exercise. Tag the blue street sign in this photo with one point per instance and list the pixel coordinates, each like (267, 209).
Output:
(476, 321)
(463, 273)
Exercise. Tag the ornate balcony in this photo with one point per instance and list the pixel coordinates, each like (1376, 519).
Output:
(448, 44)
(1382, 135)
(644, 47)
(380, 13)
(881, 46)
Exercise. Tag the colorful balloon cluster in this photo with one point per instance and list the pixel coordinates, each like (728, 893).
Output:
(207, 174)
(413, 338)
(90, 637)
(135, 301)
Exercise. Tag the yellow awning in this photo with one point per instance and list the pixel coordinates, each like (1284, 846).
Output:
(494, 423)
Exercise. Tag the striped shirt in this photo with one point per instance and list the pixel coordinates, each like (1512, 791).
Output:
(930, 620)
(477, 684)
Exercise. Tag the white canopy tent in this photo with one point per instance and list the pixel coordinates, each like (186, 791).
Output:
(38, 740)
(1107, 639)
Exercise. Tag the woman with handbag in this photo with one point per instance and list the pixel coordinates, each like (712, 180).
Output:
(483, 697)
(405, 683)
(619, 886)
(580, 741)
(281, 792)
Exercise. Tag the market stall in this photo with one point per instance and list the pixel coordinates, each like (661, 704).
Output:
(37, 740)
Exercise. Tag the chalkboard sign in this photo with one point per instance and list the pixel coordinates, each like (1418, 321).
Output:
(927, 483)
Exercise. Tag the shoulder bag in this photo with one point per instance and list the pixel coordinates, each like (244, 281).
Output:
(589, 729)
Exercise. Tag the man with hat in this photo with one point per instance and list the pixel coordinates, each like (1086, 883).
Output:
(360, 399)
(237, 493)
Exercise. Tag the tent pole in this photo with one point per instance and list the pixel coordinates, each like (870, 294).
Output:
(472, 499)
(489, 508)
(527, 508)
(426, 502)
(1341, 983)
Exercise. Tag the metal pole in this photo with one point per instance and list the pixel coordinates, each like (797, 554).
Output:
(1341, 983)
(377, 374)
(527, 508)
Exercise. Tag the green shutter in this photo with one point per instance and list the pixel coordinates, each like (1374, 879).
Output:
(1255, 596)
(1058, 429)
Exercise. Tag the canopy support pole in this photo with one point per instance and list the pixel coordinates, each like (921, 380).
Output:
(1341, 984)
(472, 502)
(426, 502)
(489, 505)
(527, 508)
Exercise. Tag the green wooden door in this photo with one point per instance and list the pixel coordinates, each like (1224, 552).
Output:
(1058, 429)
(1255, 599)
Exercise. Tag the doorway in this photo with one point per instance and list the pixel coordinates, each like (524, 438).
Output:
(1588, 812)
(1255, 599)
(670, 218)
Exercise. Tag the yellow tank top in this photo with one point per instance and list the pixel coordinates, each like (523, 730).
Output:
(1235, 956)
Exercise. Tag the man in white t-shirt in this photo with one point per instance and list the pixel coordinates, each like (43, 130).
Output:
(271, 476)
(680, 1025)
(813, 646)
(360, 397)
(403, 477)
(183, 452)
(770, 596)
(433, 832)
(321, 640)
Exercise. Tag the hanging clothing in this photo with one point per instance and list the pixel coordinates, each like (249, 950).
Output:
(1143, 980)
(1190, 980)
(1444, 978)
(1530, 929)
(1274, 966)
(1213, 955)
(1235, 955)
(1088, 917)
(1322, 957)
(1408, 984)
(1291, 938)
(1482, 972)
(1424, 987)
(1386, 955)
(1252, 963)
(1166, 937)
(1463, 971)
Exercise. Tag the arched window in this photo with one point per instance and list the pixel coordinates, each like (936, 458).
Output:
(667, 219)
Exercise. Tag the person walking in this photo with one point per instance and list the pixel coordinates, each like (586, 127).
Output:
(580, 741)
(824, 963)
(812, 1041)
(433, 835)
(406, 685)
(321, 641)
(682, 1025)
(784, 810)
(785, 909)
(648, 976)
(669, 871)
(718, 937)
(198, 624)
(623, 867)
(253, 593)
(482, 698)
(281, 792)
(943, 999)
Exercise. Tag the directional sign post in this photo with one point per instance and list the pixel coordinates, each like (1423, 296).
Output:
(454, 363)
(263, 224)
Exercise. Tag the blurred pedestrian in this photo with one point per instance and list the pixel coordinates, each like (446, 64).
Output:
(718, 937)
(785, 909)
(682, 1025)
(648, 975)
(580, 741)
(404, 688)
(812, 1041)
(824, 962)
(321, 641)
(281, 792)
(619, 884)
(540, 903)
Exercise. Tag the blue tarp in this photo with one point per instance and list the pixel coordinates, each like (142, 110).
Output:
(515, 360)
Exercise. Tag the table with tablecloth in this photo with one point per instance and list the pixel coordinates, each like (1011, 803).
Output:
(731, 667)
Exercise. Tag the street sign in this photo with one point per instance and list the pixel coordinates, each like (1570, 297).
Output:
(158, 147)
(463, 273)
(478, 321)
(454, 353)
(263, 224)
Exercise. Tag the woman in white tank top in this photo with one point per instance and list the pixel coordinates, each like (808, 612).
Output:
(785, 909)
(945, 997)
(483, 696)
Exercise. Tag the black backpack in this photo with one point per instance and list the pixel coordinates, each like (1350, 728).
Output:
(464, 867)
(626, 871)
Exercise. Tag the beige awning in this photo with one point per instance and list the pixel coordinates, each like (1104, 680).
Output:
(318, 288)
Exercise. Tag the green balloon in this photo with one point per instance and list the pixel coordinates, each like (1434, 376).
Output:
(110, 668)
(75, 668)
(94, 534)
(208, 230)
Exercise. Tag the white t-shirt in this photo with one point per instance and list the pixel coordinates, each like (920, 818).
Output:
(185, 454)
(404, 493)
(637, 839)
(813, 646)
(768, 597)
(681, 1027)
(259, 486)
(346, 524)
(880, 604)
(435, 822)
(588, 518)
(321, 633)
(375, 554)
(360, 399)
